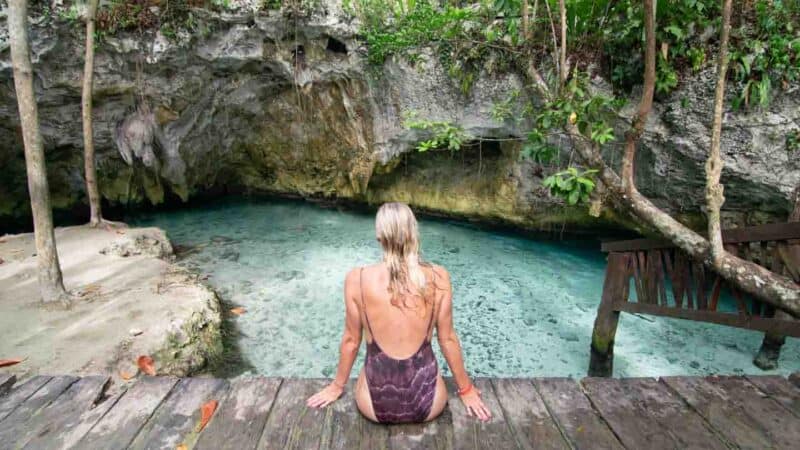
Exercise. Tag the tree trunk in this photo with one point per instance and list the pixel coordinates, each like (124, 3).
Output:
(562, 58)
(96, 214)
(646, 103)
(524, 15)
(51, 285)
(714, 190)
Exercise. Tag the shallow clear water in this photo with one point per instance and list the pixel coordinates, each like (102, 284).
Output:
(522, 307)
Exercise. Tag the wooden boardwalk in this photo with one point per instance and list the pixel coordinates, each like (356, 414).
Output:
(269, 413)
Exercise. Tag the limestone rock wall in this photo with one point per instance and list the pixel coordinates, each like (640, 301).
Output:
(258, 102)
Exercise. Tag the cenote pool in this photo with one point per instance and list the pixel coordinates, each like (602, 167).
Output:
(522, 307)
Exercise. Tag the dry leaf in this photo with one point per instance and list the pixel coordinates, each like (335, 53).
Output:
(146, 365)
(206, 411)
(1, 261)
(11, 362)
(181, 447)
(126, 375)
(238, 310)
(120, 232)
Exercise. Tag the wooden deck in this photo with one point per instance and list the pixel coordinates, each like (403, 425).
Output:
(269, 413)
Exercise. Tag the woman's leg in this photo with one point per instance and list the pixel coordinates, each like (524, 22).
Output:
(439, 399)
(363, 399)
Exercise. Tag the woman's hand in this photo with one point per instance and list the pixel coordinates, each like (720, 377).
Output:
(325, 397)
(475, 407)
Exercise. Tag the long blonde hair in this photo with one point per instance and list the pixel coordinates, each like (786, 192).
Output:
(396, 230)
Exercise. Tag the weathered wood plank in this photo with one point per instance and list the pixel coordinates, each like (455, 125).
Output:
(469, 432)
(770, 232)
(574, 415)
(670, 412)
(346, 429)
(436, 434)
(120, 425)
(19, 394)
(61, 414)
(291, 424)
(784, 327)
(721, 411)
(240, 418)
(780, 389)
(6, 381)
(782, 427)
(621, 412)
(176, 419)
(527, 415)
(15, 423)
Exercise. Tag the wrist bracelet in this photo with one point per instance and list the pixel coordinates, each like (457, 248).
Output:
(465, 391)
(340, 386)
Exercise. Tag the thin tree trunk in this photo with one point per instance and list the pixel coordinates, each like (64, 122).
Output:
(554, 35)
(51, 285)
(714, 190)
(646, 103)
(96, 215)
(562, 59)
(525, 24)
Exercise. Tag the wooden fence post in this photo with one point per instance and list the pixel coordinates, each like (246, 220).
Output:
(615, 288)
(786, 259)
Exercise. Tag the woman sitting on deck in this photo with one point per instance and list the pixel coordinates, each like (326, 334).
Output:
(400, 301)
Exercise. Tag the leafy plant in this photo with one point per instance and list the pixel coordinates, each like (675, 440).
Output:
(793, 141)
(572, 186)
(445, 135)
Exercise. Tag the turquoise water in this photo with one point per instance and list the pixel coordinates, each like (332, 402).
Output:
(522, 307)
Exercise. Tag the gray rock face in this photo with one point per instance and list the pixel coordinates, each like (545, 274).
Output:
(257, 102)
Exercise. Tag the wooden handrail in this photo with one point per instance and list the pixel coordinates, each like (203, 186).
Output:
(769, 232)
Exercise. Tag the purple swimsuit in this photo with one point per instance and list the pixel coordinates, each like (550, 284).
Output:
(402, 390)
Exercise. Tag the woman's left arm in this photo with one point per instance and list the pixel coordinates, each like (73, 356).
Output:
(348, 350)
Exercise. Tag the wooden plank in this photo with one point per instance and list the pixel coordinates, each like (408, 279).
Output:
(527, 415)
(6, 381)
(240, 418)
(62, 412)
(19, 394)
(176, 419)
(770, 232)
(291, 424)
(14, 425)
(120, 425)
(795, 379)
(778, 326)
(471, 433)
(780, 389)
(573, 413)
(727, 417)
(436, 434)
(782, 427)
(346, 428)
(622, 413)
(670, 412)
(68, 431)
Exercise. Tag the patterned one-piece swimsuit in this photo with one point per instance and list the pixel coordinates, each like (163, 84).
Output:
(402, 390)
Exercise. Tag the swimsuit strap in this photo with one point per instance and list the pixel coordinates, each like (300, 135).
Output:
(430, 321)
(363, 304)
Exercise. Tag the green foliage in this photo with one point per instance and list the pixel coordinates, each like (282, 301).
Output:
(71, 14)
(445, 135)
(572, 186)
(793, 142)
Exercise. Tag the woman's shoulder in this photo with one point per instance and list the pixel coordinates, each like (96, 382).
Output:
(439, 272)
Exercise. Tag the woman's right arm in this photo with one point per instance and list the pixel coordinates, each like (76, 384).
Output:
(451, 348)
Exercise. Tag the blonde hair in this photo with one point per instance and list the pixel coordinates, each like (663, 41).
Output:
(396, 230)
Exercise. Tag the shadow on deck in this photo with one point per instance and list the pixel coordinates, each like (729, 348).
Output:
(265, 413)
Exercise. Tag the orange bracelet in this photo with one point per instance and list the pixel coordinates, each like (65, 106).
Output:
(465, 391)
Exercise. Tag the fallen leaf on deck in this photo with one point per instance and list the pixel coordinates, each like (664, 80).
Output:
(89, 289)
(206, 411)
(238, 310)
(126, 375)
(11, 362)
(120, 232)
(146, 365)
(1, 261)
(181, 447)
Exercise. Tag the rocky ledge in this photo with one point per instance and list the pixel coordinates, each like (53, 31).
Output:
(129, 299)
(261, 102)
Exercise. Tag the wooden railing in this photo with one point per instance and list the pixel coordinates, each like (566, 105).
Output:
(665, 281)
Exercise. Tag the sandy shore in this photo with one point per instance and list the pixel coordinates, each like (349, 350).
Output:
(129, 300)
